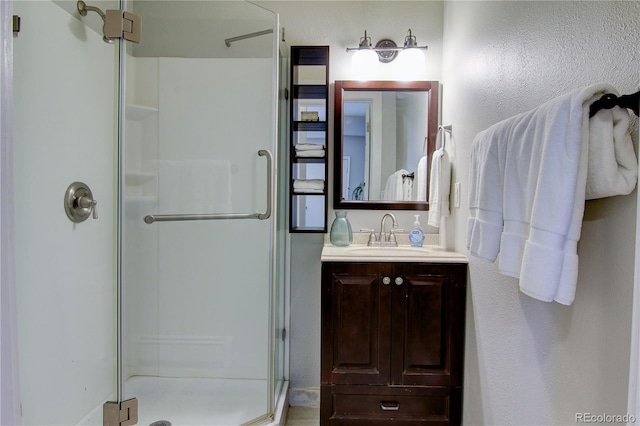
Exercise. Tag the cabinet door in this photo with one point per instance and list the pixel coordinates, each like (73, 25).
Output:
(355, 324)
(426, 332)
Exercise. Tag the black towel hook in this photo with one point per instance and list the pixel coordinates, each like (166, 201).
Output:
(609, 100)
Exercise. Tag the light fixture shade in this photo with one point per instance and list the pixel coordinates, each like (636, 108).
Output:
(364, 63)
(411, 64)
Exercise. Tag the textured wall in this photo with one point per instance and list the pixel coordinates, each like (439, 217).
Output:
(530, 362)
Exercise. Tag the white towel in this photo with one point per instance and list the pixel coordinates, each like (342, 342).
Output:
(308, 184)
(527, 193)
(308, 191)
(308, 146)
(310, 153)
(398, 188)
(421, 179)
(407, 188)
(439, 187)
(613, 168)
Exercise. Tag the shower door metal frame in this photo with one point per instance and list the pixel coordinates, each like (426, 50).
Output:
(122, 71)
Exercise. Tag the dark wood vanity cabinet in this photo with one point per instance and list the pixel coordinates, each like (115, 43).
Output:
(392, 343)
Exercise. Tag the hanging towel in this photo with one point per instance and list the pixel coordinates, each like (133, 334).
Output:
(421, 179)
(439, 187)
(407, 187)
(398, 188)
(527, 192)
(613, 168)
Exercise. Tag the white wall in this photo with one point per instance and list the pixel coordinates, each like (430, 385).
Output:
(530, 362)
(64, 131)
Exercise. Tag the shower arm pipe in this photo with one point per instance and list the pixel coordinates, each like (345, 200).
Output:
(83, 8)
(149, 219)
(228, 41)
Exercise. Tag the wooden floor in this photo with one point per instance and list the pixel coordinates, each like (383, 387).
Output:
(303, 416)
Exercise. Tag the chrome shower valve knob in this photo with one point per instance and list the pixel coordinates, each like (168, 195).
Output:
(79, 202)
(87, 202)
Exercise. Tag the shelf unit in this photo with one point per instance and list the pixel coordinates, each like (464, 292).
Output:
(308, 154)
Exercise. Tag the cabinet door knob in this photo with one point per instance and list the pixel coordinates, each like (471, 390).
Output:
(386, 280)
(399, 280)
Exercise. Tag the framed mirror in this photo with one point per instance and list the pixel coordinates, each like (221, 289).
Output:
(385, 133)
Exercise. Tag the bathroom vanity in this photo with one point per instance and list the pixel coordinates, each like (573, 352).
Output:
(392, 335)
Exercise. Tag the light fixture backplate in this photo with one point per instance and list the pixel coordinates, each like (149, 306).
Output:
(386, 56)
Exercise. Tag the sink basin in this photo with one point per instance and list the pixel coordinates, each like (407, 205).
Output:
(390, 254)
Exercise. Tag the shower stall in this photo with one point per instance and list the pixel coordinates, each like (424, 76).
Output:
(170, 296)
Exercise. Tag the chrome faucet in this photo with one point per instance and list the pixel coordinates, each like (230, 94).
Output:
(391, 239)
(383, 239)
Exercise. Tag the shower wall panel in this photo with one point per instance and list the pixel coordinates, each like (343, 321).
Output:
(140, 292)
(64, 123)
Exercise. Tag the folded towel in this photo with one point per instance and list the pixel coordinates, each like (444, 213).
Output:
(308, 184)
(311, 153)
(528, 188)
(439, 187)
(308, 147)
(421, 180)
(308, 191)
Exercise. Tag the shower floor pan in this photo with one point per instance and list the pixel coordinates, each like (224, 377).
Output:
(187, 401)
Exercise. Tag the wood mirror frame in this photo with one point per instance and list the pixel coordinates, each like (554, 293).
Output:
(340, 86)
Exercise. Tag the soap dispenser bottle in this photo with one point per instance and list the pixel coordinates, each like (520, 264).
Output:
(416, 236)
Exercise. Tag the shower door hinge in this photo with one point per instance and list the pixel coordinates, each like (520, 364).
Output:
(16, 25)
(123, 413)
(121, 24)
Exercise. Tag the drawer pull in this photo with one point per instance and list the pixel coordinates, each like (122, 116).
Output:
(390, 406)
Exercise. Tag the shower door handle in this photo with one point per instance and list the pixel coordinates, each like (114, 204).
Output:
(149, 219)
(267, 153)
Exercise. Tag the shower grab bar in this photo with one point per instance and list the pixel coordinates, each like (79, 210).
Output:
(149, 219)
(228, 41)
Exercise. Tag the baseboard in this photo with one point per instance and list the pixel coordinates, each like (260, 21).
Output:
(304, 397)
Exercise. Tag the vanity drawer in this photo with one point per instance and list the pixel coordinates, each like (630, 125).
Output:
(351, 405)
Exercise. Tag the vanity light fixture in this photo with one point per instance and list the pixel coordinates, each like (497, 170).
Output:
(365, 58)
(387, 50)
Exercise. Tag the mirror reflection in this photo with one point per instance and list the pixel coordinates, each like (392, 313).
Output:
(385, 133)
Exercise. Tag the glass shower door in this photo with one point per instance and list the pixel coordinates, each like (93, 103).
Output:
(196, 298)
